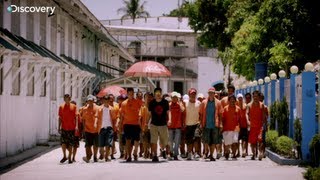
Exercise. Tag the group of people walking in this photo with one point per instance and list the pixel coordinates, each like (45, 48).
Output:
(190, 127)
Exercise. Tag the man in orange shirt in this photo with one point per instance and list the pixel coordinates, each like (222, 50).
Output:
(145, 126)
(265, 125)
(243, 134)
(256, 117)
(176, 109)
(129, 119)
(115, 111)
(210, 114)
(91, 116)
(67, 125)
(230, 121)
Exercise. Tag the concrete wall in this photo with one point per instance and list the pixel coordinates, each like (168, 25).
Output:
(209, 71)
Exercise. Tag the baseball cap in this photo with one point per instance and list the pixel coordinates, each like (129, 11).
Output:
(90, 98)
(239, 95)
(212, 89)
(174, 94)
(192, 90)
(200, 95)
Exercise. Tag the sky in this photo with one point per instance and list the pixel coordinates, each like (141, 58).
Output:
(107, 9)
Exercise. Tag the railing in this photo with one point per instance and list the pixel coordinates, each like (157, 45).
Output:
(172, 52)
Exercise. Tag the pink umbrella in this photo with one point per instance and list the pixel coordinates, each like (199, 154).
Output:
(147, 69)
(115, 90)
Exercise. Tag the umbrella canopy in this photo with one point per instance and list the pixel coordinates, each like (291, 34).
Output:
(147, 69)
(115, 90)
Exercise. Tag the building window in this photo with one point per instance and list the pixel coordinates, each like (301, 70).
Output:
(1, 76)
(30, 28)
(53, 34)
(30, 81)
(63, 78)
(16, 76)
(15, 21)
(62, 35)
(53, 85)
(43, 30)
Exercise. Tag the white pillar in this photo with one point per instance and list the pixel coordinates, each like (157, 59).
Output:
(6, 15)
(48, 32)
(36, 28)
(23, 21)
(59, 82)
(58, 50)
(73, 45)
(7, 82)
(66, 37)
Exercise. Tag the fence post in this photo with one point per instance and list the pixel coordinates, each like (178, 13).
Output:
(308, 109)
(273, 77)
(266, 89)
(282, 77)
(294, 71)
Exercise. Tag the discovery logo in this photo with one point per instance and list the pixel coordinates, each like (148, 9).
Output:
(27, 9)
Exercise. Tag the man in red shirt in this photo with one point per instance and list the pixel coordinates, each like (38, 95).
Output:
(67, 125)
(176, 108)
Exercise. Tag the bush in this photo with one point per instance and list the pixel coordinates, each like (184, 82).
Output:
(314, 148)
(284, 146)
(312, 174)
(271, 139)
(298, 136)
(283, 118)
(273, 115)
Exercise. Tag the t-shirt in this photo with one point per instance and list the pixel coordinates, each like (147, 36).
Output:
(158, 111)
(256, 112)
(176, 116)
(68, 114)
(89, 114)
(106, 118)
(210, 116)
(130, 111)
(231, 117)
(192, 113)
(243, 118)
(144, 115)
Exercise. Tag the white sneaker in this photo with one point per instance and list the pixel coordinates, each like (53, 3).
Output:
(196, 156)
(189, 156)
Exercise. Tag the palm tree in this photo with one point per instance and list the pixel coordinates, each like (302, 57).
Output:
(133, 9)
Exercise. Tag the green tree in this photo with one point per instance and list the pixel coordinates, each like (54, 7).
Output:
(133, 9)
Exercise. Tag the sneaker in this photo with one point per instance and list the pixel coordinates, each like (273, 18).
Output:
(135, 157)
(70, 161)
(196, 156)
(95, 159)
(63, 160)
(164, 154)
(227, 156)
(253, 158)
(121, 156)
(234, 157)
(219, 155)
(85, 159)
(155, 159)
(189, 156)
(260, 157)
(244, 155)
(112, 157)
(108, 160)
(129, 159)
(183, 156)
(140, 154)
(212, 159)
(175, 158)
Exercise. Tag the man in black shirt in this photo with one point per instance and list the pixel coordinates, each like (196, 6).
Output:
(160, 117)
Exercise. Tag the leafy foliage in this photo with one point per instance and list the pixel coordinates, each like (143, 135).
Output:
(271, 139)
(133, 9)
(312, 174)
(284, 146)
(298, 135)
(314, 147)
(279, 114)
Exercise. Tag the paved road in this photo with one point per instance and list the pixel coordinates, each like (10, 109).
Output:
(47, 167)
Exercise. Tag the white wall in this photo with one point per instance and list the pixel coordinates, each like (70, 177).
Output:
(24, 122)
(209, 71)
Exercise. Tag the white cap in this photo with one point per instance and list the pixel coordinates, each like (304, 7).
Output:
(175, 94)
(185, 97)
(239, 95)
(200, 95)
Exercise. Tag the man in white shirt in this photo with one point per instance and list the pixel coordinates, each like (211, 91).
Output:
(192, 123)
(106, 128)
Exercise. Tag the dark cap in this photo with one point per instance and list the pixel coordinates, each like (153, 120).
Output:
(192, 90)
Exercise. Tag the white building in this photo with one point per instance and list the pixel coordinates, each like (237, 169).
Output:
(43, 57)
(170, 41)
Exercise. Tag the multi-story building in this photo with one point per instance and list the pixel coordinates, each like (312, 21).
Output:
(170, 41)
(44, 55)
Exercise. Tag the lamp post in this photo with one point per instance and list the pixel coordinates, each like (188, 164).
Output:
(308, 109)
(273, 78)
(294, 70)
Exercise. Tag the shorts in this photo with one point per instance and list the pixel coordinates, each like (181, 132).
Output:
(76, 141)
(106, 137)
(255, 135)
(67, 137)
(159, 131)
(243, 134)
(190, 134)
(230, 137)
(132, 132)
(91, 139)
(211, 136)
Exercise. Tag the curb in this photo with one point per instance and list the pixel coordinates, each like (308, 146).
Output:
(281, 160)
(8, 163)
